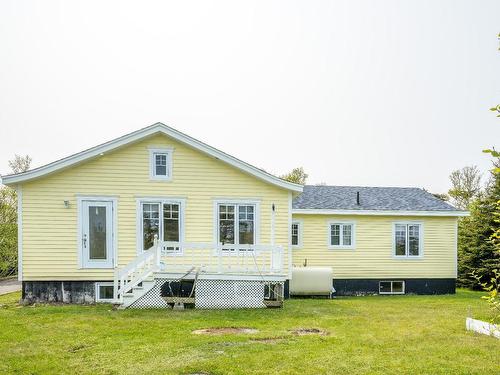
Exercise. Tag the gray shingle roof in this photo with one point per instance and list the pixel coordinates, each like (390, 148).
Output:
(371, 198)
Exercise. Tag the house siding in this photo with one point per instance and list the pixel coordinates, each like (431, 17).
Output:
(49, 237)
(372, 257)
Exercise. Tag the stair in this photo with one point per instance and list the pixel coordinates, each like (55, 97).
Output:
(137, 292)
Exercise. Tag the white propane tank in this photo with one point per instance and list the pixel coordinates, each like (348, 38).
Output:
(311, 281)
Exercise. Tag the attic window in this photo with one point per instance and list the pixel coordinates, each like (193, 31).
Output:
(160, 161)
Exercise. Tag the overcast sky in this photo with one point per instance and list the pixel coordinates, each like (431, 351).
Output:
(378, 93)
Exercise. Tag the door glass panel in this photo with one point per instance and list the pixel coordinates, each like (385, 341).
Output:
(171, 222)
(246, 225)
(97, 232)
(226, 224)
(150, 223)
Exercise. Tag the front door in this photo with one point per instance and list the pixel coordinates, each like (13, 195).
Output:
(97, 234)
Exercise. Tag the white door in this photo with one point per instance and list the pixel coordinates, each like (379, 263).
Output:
(97, 234)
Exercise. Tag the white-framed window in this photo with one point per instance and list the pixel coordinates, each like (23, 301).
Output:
(296, 233)
(341, 235)
(104, 292)
(236, 224)
(407, 240)
(391, 287)
(163, 218)
(160, 163)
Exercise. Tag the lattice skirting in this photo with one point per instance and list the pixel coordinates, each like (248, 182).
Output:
(212, 294)
(152, 299)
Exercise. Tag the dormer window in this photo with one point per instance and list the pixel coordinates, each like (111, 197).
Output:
(160, 164)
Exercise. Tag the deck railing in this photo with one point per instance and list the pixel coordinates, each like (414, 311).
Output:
(221, 259)
(181, 257)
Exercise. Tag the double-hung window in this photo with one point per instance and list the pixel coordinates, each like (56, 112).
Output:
(160, 161)
(407, 240)
(236, 225)
(163, 219)
(296, 233)
(341, 235)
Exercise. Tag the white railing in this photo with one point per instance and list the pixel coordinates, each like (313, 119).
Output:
(176, 257)
(136, 271)
(222, 259)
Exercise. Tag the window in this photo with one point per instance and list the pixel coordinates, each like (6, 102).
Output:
(236, 225)
(391, 287)
(407, 240)
(296, 234)
(341, 235)
(104, 292)
(161, 218)
(160, 164)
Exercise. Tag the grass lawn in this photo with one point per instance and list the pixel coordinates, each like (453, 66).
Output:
(376, 335)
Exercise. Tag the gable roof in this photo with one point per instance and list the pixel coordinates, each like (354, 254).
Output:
(382, 200)
(137, 136)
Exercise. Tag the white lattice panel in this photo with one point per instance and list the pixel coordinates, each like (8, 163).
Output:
(229, 294)
(152, 299)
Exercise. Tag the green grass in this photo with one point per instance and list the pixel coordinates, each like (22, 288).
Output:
(376, 335)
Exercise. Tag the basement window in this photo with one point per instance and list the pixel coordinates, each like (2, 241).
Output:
(391, 287)
(104, 292)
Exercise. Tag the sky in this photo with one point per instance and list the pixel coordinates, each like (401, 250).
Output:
(372, 93)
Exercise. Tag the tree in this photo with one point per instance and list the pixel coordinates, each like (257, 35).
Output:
(20, 163)
(443, 197)
(478, 255)
(466, 186)
(8, 219)
(297, 175)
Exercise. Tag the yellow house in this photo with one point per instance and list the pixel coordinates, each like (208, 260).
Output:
(156, 218)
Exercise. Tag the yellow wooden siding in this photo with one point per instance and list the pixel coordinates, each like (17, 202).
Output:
(373, 253)
(50, 248)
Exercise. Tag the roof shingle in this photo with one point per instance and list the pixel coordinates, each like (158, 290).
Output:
(371, 198)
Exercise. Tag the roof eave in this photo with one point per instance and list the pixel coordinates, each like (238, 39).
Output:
(442, 213)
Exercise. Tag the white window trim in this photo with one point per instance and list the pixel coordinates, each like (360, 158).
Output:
(301, 232)
(250, 201)
(420, 240)
(352, 246)
(392, 281)
(168, 151)
(99, 284)
(139, 236)
(79, 199)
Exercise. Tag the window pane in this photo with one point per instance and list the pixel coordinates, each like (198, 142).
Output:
(414, 240)
(171, 222)
(161, 164)
(397, 287)
(246, 224)
(150, 223)
(347, 234)
(246, 232)
(385, 287)
(97, 232)
(226, 224)
(335, 235)
(105, 292)
(400, 239)
(295, 234)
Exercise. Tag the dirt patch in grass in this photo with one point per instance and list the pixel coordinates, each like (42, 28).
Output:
(268, 340)
(224, 331)
(308, 331)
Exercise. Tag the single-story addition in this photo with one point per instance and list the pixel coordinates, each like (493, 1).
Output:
(156, 218)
